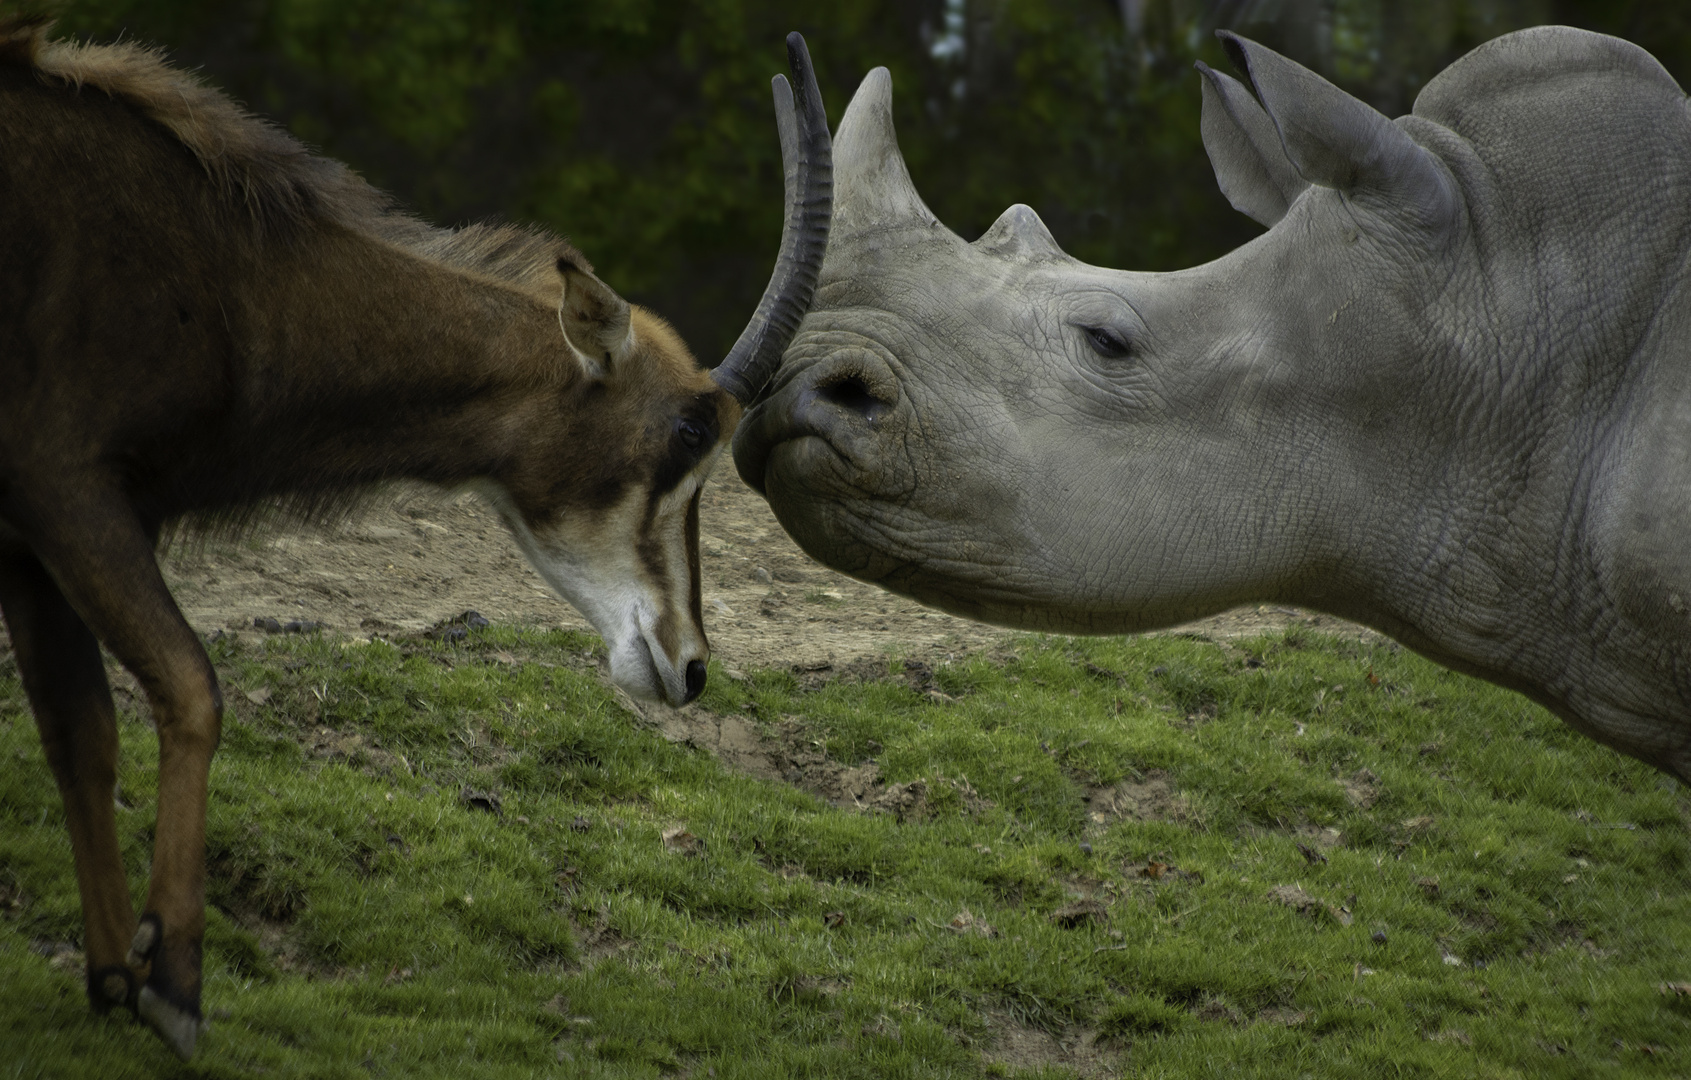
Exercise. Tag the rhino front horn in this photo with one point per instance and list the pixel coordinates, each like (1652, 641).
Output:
(873, 192)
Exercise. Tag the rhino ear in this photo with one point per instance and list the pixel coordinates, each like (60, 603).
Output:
(1338, 141)
(1244, 149)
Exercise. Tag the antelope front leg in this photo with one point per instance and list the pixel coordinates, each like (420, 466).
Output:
(66, 682)
(101, 557)
(188, 710)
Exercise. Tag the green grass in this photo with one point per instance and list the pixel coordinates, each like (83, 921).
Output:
(368, 920)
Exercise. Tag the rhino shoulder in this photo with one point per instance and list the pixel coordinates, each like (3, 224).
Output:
(1540, 56)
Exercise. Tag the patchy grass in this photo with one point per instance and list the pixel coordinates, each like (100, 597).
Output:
(1157, 857)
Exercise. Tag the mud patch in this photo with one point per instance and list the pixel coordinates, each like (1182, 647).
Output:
(1150, 799)
(1283, 1015)
(1319, 836)
(62, 956)
(1563, 935)
(732, 739)
(13, 900)
(276, 943)
(1081, 913)
(790, 752)
(1159, 870)
(1014, 1043)
(1303, 903)
(1362, 788)
(966, 922)
(1214, 1010)
(597, 940)
(351, 748)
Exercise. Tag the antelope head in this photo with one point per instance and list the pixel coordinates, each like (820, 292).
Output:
(617, 532)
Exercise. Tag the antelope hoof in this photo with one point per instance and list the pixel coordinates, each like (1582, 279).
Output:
(111, 986)
(179, 1026)
(146, 943)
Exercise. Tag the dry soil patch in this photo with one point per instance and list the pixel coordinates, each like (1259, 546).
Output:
(1020, 1045)
(412, 559)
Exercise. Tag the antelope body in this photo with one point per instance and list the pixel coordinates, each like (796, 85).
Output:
(196, 314)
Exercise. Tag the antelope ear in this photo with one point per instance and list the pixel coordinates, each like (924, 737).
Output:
(1250, 165)
(594, 319)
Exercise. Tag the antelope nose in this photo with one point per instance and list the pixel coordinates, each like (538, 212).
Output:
(695, 680)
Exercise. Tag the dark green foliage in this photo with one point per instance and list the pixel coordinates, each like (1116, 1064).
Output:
(642, 129)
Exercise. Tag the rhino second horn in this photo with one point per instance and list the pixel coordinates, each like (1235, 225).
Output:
(872, 188)
(1019, 234)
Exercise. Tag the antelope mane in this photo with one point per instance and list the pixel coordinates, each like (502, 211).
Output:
(282, 185)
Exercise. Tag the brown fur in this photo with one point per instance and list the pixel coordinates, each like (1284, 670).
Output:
(197, 317)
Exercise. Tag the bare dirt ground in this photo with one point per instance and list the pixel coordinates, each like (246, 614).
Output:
(413, 559)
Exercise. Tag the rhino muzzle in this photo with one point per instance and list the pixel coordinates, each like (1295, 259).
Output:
(846, 404)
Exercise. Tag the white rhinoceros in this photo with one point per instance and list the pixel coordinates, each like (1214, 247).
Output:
(1447, 394)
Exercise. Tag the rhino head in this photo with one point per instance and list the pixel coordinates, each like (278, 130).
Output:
(1446, 393)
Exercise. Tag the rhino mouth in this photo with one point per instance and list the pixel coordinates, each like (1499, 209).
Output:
(761, 431)
(834, 421)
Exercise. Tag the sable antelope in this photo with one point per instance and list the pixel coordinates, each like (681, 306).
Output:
(196, 314)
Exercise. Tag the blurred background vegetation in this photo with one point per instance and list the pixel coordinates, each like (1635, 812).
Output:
(642, 129)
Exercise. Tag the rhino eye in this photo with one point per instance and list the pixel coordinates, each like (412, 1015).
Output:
(1108, 343)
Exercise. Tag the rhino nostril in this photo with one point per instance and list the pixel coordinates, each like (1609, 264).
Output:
(695, 679)
(852, 393)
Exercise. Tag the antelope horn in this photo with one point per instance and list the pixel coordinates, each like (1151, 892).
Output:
(807, 154)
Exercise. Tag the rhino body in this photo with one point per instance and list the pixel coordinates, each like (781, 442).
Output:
(1446, 394)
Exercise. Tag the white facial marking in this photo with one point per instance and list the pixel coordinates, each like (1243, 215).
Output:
(592, 559)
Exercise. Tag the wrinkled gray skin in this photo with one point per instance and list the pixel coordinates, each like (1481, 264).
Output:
(1447, 394)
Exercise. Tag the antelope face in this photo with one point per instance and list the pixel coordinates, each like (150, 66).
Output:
(632, 568)
(610, 516)
(609, 513)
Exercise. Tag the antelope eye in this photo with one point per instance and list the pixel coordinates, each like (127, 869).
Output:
(1106, 342)
(692, 433)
